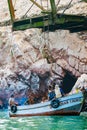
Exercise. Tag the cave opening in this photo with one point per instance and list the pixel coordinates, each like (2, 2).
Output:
(68, 82)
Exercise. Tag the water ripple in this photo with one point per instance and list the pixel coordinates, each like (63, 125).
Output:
(43, 123)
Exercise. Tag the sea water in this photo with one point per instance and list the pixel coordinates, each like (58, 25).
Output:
(43, 122)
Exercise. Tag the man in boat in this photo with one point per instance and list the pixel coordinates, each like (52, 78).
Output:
(51, 93)
(12, 101)
(57, 91)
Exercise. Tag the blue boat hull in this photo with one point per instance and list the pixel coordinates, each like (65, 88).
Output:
(68, 105)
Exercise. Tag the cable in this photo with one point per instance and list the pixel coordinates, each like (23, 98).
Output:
(29, 9)
(15, 3)
(58, 3)
(67, 7)
(46, 33)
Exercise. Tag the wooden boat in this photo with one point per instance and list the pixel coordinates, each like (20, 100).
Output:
(68, 105)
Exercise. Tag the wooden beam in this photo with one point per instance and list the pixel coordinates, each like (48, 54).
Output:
(11, 9)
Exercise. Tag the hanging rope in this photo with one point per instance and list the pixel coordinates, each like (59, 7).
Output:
(45, 50)
(48, 25)
(46, 33)
(43, 24)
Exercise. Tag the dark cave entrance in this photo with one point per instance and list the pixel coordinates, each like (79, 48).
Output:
(68, 82)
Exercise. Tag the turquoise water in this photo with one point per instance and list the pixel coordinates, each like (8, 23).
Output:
(43, 122)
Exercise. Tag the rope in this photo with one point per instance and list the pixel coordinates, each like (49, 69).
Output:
(47, 4)
(67, 7)
(38, 5)
(15, 3)
(48, 22)
(41, 3)
(58, 3)
(29, 9)
(44, 37)
(46, 33)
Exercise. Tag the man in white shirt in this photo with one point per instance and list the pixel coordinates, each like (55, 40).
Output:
(57, 91)
(12, 101)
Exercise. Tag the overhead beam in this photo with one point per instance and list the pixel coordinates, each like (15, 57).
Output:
(73, 23)
(55, 21)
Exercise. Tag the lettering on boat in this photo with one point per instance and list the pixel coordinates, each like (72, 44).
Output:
(70, 101)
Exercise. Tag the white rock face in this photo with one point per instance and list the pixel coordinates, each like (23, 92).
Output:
(23, 49)
(81, 82)
(41, 66)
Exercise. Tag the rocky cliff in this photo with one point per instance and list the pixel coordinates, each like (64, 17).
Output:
(31, 59)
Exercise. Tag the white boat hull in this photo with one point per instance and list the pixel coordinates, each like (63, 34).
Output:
(69, 105)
